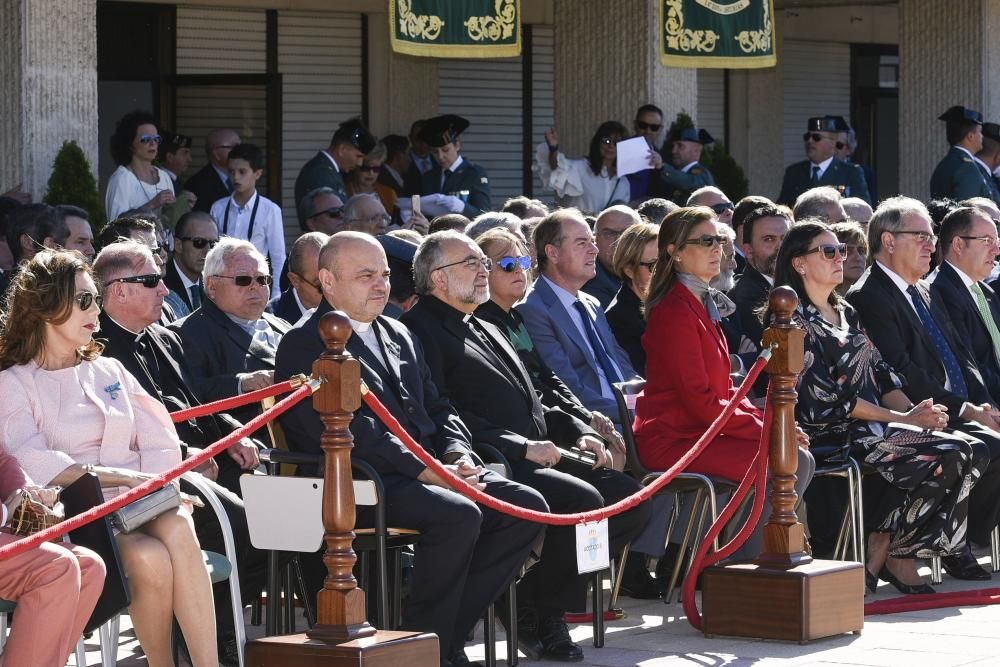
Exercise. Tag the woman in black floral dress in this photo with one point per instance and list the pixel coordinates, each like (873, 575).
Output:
(849, 395)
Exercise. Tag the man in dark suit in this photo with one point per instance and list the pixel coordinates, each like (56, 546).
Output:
(229, 342)
(988, 157)
(916, 336)
(467, 554)
(454, 184)
(211, 183)
(421, 160)
(957, 176)
(822, 166)
(196, 234)
(472, 362)
(303, 267)
(128, 279)
(347, 150)
(582, 352)
(968, 245)
(397, 162)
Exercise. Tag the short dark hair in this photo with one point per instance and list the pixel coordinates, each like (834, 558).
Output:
(519, 205)
(956, 130)
(124, 134)
(395, 144)
(769, 211)
(249, 152)
(957, 223)
(60, 232)
(549, 232)
(649, 108)
(455, 221)
(35, 220)
(939, 208)
(606, 129)
(122, 228)
(181, 228)
(745, 206)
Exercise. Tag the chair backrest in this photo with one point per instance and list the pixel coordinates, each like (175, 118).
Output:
(286, 513)
(625, 395)
(278, 438)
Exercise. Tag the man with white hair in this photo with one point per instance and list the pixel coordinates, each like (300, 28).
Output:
(230, 341)
(857, 209)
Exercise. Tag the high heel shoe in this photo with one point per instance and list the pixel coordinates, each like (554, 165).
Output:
(906, 589)
(871, 581)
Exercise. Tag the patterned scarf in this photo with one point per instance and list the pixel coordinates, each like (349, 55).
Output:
(716, 303)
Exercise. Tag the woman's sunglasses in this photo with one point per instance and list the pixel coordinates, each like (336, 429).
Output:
(648, 265)
(246, 281)
(609, 141)
(707, 241)
(149, 138)
(150, 280)
(87, 299)
(508, 264)
(830, 250)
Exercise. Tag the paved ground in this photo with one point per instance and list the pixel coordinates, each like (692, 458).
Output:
(654, 634)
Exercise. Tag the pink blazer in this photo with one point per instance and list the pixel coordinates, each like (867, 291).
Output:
(138, 434)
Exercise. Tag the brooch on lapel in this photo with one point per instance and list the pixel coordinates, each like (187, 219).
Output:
(113, 390)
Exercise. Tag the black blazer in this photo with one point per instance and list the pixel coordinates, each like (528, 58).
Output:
(317, 173)
(845, 177)
(947, 288)
(216, 349)
(468, 176)
(207, 187)
(174, 283)
(625, 318)
(406, 390)
(286, 307)
(497, 402)
(896, 331)
(749, 293)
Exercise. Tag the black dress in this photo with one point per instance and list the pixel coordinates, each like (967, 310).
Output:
(933, 470)
(624, 315)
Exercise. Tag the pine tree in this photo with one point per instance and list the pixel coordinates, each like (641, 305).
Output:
(72, 182)
(728, 174)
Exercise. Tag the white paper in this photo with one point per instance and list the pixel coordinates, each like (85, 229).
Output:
(592, 551)
(633, 156)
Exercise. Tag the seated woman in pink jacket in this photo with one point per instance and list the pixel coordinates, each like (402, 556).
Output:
(55, 586)
(65, 411)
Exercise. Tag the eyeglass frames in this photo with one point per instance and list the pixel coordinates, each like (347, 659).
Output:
(149, 138)
(655, 127)
(149, 280)
(707, 241)
(922, 237)
(722, 207)
(831, 251)
(198, 242)
(471, 263)
(87, 299)
(509, 264)
(246, 281)
(336, 212)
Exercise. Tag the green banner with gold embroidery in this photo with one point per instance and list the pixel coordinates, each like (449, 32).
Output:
(453, 29)
(717, 33)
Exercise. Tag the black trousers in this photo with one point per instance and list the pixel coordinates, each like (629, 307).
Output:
(554, 587)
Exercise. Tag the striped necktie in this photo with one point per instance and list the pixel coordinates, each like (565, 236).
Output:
(987, 315)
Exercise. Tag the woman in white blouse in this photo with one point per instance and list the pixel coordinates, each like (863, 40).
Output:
(65, 411)
(591, 183)
(136, 183)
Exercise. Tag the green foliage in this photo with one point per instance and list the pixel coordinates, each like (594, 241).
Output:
(72, 182)
(729, 176)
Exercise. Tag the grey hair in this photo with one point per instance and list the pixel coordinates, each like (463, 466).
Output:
(306, 202)
(484, 222)
(428, 256)
(889, 217)
(813, 202)
(351, 205)
(117, 258)
(217, 257)
(296, 256)
(694, 197)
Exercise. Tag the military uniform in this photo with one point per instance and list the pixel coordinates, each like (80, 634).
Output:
(468, 182)
(680, 184)
(320, 171)
(958, 177)
(846, 178)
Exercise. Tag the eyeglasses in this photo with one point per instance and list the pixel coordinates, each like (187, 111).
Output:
(150, 280)
(471, 263)
(509, 264)
(198, 242)
(722, 207)
(648, 265)
(830, 250)
(246, 281)
(337, 212)
(922, 237)
(226, 146)
(370, 168)
(655, 127)
(374, 220)
(707, 241)
(149, 138)
(815, 136)
(987, 240)
(87, 299)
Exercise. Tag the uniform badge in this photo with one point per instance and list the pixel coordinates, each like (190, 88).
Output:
(695, 171)
(484, 180)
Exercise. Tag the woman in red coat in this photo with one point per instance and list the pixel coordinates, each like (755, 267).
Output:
(688, 363)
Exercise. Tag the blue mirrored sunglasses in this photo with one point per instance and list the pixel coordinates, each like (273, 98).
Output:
(508, 264)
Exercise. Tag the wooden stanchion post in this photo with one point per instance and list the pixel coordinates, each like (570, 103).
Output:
(784, 593)
(342, 635)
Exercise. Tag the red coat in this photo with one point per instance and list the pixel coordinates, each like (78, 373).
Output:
(687, 387)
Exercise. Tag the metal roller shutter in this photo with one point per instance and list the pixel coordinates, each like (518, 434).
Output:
(543, 94)
(817, 81)
(712, 102)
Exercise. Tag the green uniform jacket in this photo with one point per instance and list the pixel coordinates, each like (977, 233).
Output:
(680, 184)
(318, 172)
(468, 178)
(958, 177)
(845, 177)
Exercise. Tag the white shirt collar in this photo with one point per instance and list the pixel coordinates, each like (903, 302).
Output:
(172, 175)
(298, 301)
(965, 150)
(823, 166)
(184, 279)
(223, 175)
(332, 161)
(896, 278)
(454, 165)
(566, 297)
(686, 168)
(360, 327)
(248, 205)
(983, 164)
(961, 274)
(769, 279)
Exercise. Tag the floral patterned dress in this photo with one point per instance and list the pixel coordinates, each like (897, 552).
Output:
(933, 471)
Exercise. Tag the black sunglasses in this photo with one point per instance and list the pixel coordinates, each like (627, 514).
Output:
(815, 136)
(608, 141)
(648, 265)
(87, 299)
(722, 207)
(198, 242)
(655, 127)
(337, 212)
(150, 280)
(830, 250)
(246, 281)
(707, 241)
(508, 264)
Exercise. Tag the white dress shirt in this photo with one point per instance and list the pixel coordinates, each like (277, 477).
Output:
(268, 229)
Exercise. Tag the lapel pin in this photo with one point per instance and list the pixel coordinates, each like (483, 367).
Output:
(113, 390)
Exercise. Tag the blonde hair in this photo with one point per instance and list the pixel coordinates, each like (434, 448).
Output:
(628, 251)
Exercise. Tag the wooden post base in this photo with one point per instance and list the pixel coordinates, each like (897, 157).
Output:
(386, 648)
(817, 599)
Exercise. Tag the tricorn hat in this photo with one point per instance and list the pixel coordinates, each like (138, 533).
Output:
(171, 142)
(962, 115)
(354, 132)
(692, 134)
(443, 130)
(827, 124)
(398, 248)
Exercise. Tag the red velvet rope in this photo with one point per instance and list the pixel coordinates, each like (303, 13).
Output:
(32, 541)
(547, 518)
(233, 402)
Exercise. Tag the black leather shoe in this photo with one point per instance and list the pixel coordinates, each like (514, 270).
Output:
(871, 581)
(905, 589)
(462, 660)
(228, 654)
(638, 583)
(556, 641)
(963, 565)
(527, 630)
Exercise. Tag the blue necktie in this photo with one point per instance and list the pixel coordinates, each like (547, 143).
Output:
(814, 177)
(600, 353)
(951, 366)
